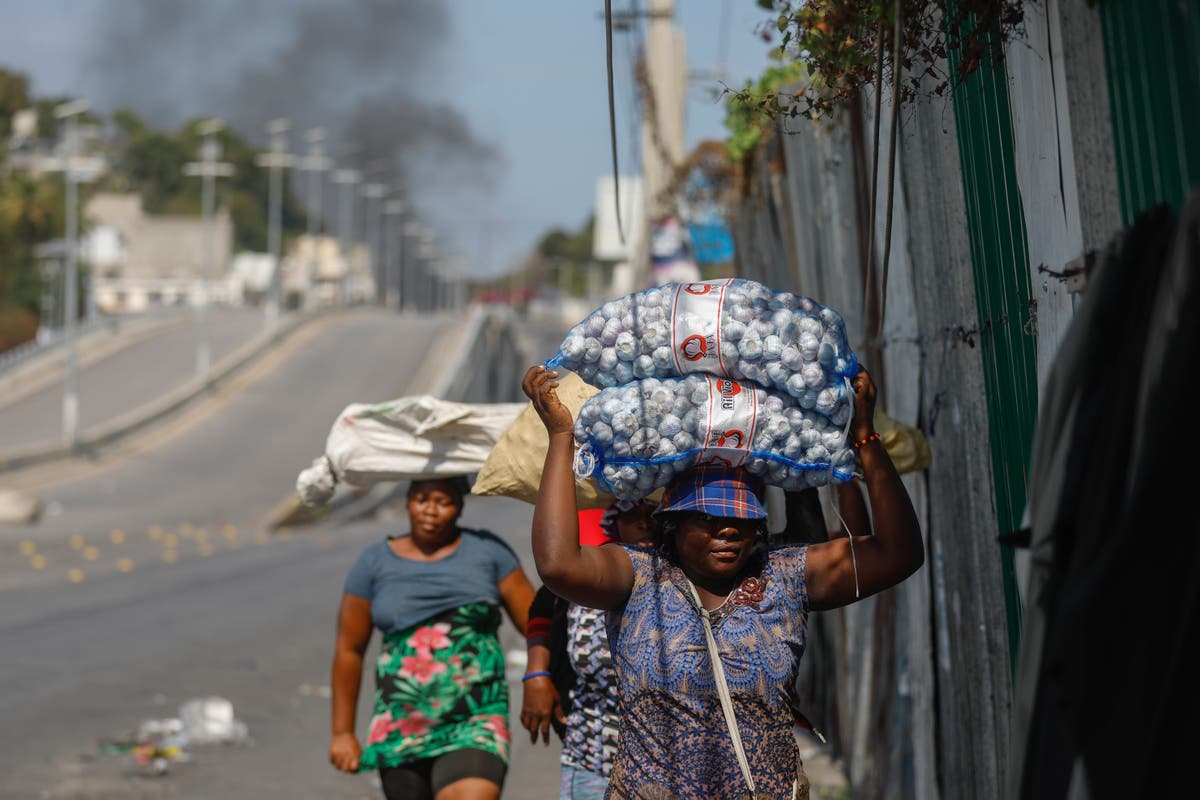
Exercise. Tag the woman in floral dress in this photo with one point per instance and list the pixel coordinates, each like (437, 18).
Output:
(707, 630)
(440, 725)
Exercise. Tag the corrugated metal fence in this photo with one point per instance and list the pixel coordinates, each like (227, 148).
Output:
(992, 204)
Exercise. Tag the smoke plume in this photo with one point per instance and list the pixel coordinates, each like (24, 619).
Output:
(366, 70)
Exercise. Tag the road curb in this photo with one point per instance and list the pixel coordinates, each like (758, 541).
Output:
(136, 421)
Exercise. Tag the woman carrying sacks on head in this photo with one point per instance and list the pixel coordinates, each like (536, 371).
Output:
(692, 698)
(440, 728)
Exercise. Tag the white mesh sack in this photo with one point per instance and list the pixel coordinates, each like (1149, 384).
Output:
(732, 328)
(634, 439)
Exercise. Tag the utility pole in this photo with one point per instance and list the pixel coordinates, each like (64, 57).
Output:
(276, 160)
(314, 164)
(427, 255)
(69, 112)
(346, 180)
(662, 123)
(208, 169)
(375, 192)
(393, 263)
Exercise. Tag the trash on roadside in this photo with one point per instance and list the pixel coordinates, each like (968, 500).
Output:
(159, 743)
(210, 720)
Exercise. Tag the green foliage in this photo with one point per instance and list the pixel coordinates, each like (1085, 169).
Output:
(14, 96)
(31, 211)
(151, 162)
(836, 46)
(750, 111)
(564, 259)
(141, 159)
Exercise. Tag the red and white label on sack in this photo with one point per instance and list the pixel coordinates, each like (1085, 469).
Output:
(696, 327)
(732, 415)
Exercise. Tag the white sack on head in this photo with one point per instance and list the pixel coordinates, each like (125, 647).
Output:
(732, 328)
(405, 439)
(636, 438)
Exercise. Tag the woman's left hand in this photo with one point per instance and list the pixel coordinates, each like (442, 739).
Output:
(541, 704)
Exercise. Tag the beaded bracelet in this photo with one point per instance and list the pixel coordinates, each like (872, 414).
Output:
(545, 673)
(863, 442)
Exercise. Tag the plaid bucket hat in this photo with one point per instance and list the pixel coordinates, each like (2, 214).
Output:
(718, 492)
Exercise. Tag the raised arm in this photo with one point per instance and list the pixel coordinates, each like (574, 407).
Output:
(895, 551)
(596, 577)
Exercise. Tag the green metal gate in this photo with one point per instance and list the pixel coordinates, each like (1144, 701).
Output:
(1152, 55)
(1000, 265)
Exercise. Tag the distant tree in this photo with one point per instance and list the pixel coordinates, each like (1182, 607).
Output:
(30, 212)
(14, 96)
(151, 162)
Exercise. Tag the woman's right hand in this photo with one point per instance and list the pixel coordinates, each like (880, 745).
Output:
(540, 387)
(345, 752)
(540, 705)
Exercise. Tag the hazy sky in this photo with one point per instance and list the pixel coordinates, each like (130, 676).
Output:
(501, 107)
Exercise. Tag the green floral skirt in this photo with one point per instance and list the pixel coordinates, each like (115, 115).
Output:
(440, 687)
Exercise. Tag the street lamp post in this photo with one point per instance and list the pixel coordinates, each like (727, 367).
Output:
(428, 256)
(314, 164)
(276, 160)
(346, 180)
(208, 169)
(393, 265)
(376, 192)
(69, 112)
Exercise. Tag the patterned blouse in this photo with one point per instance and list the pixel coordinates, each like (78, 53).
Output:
(674, 742)
(591, 738)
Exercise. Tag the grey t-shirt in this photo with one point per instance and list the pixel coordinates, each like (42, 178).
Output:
(404, 592)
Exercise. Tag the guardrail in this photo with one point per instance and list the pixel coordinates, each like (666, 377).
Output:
(141, 418)
(50, 340)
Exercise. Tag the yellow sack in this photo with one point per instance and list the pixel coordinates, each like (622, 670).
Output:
(905, 444)
(514, 467)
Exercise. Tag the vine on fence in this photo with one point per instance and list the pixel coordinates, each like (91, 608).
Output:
(830, 50)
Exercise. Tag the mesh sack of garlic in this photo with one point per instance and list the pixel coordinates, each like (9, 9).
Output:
(731, 328)
(635, 438)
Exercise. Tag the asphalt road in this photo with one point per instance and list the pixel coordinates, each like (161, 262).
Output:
(127, 379)
(157, 583)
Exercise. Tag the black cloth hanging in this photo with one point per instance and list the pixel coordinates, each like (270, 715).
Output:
(1108, 670)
